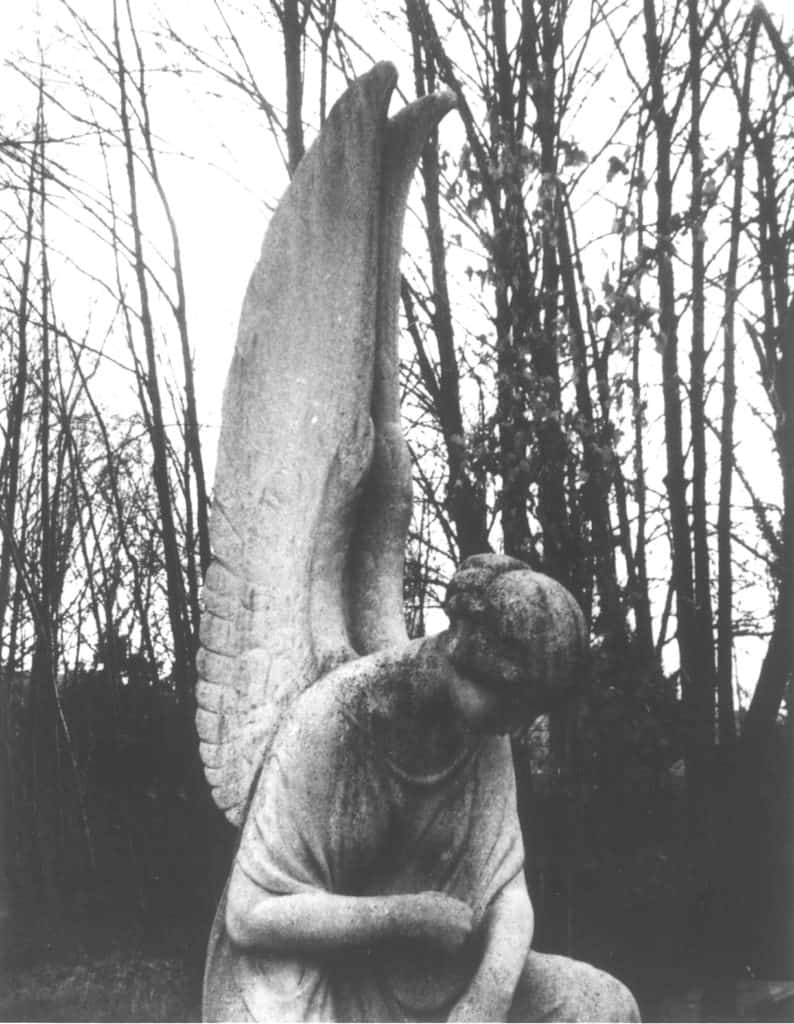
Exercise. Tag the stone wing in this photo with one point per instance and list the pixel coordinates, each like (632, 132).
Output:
(311, 394)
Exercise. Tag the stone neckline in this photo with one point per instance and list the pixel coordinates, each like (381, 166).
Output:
(433, 778)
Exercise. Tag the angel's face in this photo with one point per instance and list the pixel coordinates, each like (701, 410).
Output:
(488, 689)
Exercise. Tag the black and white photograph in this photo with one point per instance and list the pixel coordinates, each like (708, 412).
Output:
(396, 510)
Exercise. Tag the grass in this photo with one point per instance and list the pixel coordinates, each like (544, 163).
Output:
(116, 987)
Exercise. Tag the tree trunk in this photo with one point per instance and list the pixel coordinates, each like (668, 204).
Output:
(777, 669)
(465, 499)
(293, 26)
(704, 678)
(177, 599)
(697, 710)
(725, 705)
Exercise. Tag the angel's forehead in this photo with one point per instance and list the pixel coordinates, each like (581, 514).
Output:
(476, 649)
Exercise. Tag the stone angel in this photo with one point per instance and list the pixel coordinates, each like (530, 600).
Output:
(379, 873)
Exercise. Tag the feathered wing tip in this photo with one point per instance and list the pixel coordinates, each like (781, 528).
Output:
(297, 438)
(377, 557)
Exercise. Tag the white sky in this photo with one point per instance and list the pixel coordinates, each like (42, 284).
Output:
(221, 194)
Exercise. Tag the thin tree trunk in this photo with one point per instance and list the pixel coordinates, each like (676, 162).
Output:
(697, 737)
(177, 600)
(10, 462)
(195, 462)
(595, 496)
(465, 500)
(777, 669)
(293, 25)
(705, 681)
(560, 552)
(726, 711)
(42, 735)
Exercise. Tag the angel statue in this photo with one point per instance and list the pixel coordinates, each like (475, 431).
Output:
(379, 872)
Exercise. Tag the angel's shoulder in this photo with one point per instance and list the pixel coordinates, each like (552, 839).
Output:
(342, 705)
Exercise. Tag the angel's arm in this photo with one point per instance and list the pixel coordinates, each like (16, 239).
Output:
(507, 931)
(316, 920)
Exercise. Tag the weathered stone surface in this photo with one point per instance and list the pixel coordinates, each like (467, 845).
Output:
(310, 447)
(380, 869)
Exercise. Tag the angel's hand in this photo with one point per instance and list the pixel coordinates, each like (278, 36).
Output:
(442, 920)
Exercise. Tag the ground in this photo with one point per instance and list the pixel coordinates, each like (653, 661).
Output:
(113, 967)
(121, 986)
(125, 974)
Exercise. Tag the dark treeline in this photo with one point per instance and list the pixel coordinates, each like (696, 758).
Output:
(598, 371)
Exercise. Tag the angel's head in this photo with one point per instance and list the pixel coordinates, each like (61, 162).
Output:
(517, 643)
